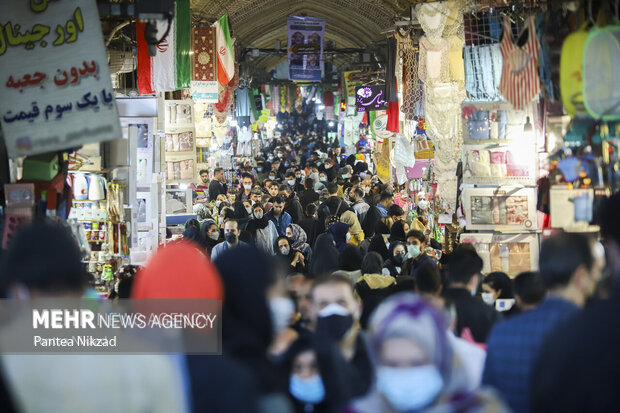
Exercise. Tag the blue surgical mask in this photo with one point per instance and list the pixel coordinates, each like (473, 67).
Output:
(411, 388)
(345, 176)
(323, 179)
(307, 390)
(413, 250)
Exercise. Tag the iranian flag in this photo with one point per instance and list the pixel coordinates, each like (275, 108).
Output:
(170, 68)
(225, 52)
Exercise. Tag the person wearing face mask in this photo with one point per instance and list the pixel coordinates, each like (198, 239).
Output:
(464, 266)
(568, 270)
(294, 259)
(247, 182)
(335, 316)
(318, 376)
(355, 235)
(356, 196)
(416, 368)
(495, 286)
(231, 236)
(262, 230)
(394, 265)
(417, 258)
(211, 234)
(291, 203)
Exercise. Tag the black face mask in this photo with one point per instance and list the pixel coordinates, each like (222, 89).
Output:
(230, 238)
(334, 326)
(398, 259)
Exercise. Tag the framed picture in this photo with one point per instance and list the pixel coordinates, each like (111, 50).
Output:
(509, 253)
(500, 208)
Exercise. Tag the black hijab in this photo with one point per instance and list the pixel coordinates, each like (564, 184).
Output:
(350, 258)
(398, 232)
(324, 256)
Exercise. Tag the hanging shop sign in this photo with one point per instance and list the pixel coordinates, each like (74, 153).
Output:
(353, 80)
(204, 60)
(54, 78)
(305, 47)
(369, 98)
(204, 92)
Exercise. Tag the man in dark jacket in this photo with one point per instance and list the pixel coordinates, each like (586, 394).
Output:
(309, 195)
(471, 312)
(334, 205)
(310, 224)
(291, 203)
(217, 185)
(418, 258)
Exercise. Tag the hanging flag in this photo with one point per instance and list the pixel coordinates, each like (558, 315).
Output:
(170, 68)
(225, 52)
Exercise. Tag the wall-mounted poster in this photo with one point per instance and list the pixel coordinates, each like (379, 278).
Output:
(305, 47)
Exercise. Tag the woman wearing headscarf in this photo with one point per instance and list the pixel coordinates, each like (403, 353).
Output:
(248, 274)
(379, 241)
(211, 233)
(181, 271)
(324, 256)
(339, 232)
(416, 366)
(192, 233)
(399, 231)
(349, 263)
(394, 265)
(262, 230)
(299, 239)
(355, 229)
(295, 260)
(318, 376)
(373, 286)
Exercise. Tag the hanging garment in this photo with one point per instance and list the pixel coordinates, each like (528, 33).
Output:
(432, 17)
(601, 91)
(393, 121)
(544, 65)
(390, 71)
(434, 61)
(457, 65)
(454, 20)
(520, 83)
(413, 91)
(483, 71)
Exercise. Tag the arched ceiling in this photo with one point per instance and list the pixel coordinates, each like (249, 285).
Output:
(258, 23)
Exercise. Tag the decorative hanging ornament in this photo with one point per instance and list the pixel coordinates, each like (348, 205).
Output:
(432, 17)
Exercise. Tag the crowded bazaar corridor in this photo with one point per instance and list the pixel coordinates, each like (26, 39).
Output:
(309, 206)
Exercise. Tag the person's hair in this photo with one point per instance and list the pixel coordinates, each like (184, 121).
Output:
(358, 192)
(310, 210)
(277, 200)
(309, 184)
(126, 277)
(428, 279)
(203, 171)
(500, 281)
(258, 205)
(561, 255)
(609, 222)
(419, 235)
(355, 179)
(168, 233)
(290, 174)
(350, 258)
(463, 264)
(192, 222)
(529, 287)
(332, 188)
(372, 263)
(385, 195)
(285, 188)
(43, 256)
(277, 241)
(231, 220)
(395, 211)
(217, 170)
(247, 175)
(332, 279)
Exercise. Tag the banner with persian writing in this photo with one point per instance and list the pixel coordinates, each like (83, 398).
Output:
(305, 47)
(204, 59)
(54, 77)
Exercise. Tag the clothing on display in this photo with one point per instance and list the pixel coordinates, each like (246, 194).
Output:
(390, 70)
(520, 83)
(432, 17)
(244, 141)
(434, 61)
(457, 64)
(483, 71)
(413, 91)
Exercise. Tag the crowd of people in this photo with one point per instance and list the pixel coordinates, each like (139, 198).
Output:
(336, 300)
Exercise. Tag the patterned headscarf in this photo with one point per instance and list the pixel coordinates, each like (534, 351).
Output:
(299, 238)
(349, 218)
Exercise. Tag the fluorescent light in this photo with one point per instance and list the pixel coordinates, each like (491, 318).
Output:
(321, 107)
(330, 124)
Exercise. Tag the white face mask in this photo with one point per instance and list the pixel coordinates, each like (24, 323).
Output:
(348, 236)
(214, 236)
(411, 388)
(488, 298)
(282, 310)
(247, 187)
(285, 250)
(258, 214)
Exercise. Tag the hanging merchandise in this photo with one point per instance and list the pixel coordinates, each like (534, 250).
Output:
(520, 83)
(393, 124)
(403, 156)
(601, 91)
(434, 61)
(443, 102)
(483, 71)
(204, 57)
(457, 64)
(275, 100)
(544, 64)
(243, 106)
(244, 142)
(390, 70)
(454, 19)
(432, 17)
(413, 90)
(571, 66)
